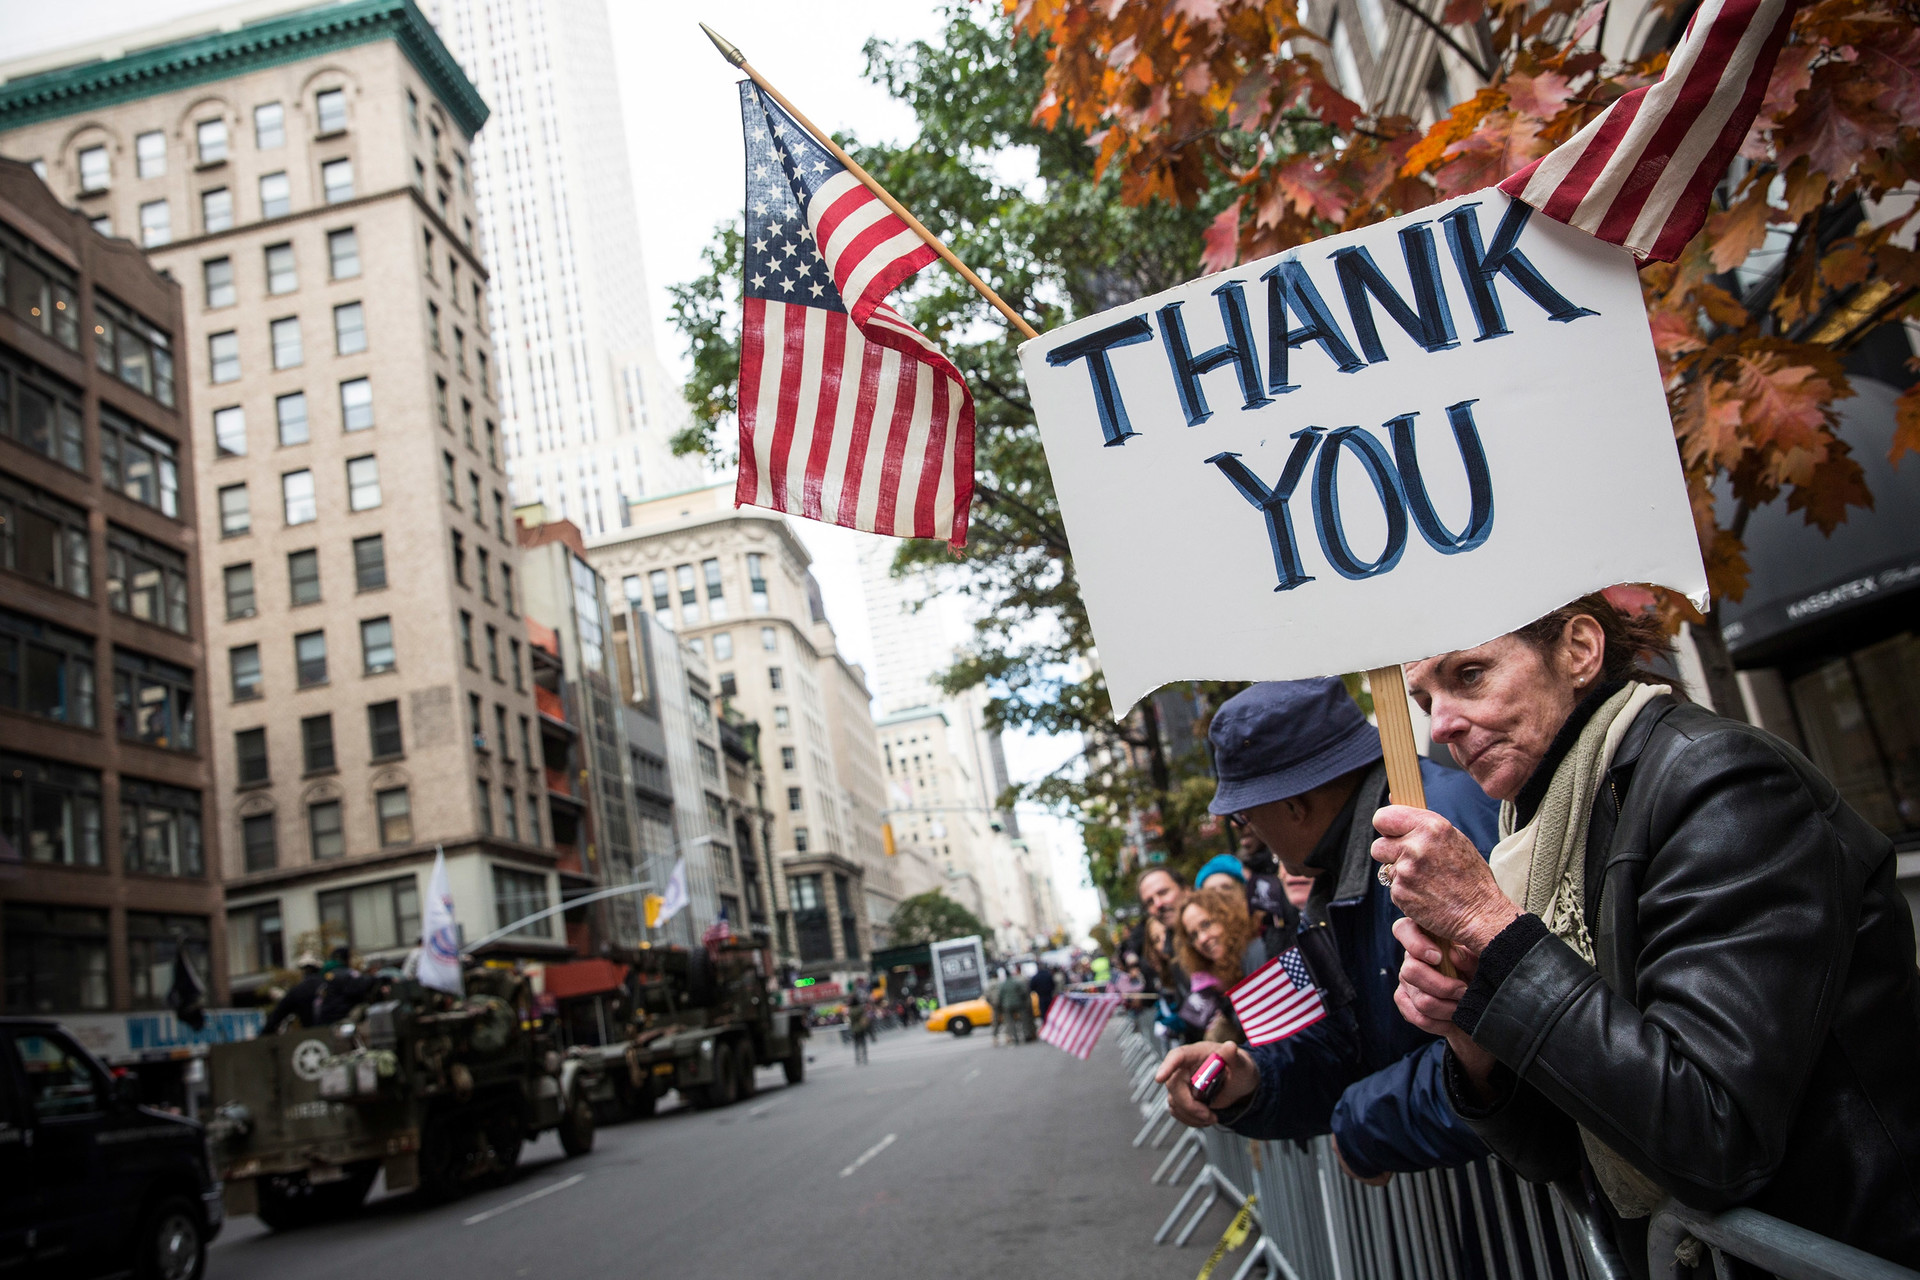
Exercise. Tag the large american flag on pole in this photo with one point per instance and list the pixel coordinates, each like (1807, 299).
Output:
(1642, 173)
(1075, 1021)
(847, 414)
(1277, 999)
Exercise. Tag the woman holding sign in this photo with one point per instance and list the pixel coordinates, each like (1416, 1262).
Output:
(1686, 969)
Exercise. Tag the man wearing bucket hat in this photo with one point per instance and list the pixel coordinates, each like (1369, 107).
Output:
(1298, 763)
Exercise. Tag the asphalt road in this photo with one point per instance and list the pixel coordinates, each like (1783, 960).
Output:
(946, 1159)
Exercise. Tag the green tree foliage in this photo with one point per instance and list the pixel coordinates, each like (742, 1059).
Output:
(934, 917)
(1024, 207)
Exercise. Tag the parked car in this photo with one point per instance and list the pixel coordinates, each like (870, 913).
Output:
(90, 1180)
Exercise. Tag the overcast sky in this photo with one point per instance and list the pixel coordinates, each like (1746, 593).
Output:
(683, 140)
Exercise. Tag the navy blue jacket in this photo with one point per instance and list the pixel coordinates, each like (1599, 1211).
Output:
(1363, 1072)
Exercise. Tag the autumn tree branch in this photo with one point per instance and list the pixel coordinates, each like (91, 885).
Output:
(1446, 37)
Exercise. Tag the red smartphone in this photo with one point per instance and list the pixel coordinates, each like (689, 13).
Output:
(1206, 1081)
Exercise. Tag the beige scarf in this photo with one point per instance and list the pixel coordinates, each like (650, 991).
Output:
(1542, 868)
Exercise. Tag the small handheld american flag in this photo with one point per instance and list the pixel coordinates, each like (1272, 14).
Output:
(1075, 1022)
(1277, 999)
(847, 414)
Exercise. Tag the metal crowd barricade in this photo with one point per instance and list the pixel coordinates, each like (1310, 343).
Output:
(1679, 1236)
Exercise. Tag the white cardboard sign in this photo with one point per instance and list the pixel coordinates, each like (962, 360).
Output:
(1373, 448)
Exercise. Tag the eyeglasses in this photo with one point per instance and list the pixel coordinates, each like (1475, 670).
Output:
(1238, 821)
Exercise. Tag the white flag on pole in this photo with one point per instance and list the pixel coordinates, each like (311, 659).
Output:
(675, 898)
(439, 936)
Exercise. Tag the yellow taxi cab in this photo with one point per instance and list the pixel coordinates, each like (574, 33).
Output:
(960, 1019)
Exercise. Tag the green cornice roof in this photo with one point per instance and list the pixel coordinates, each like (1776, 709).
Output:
(272, 42)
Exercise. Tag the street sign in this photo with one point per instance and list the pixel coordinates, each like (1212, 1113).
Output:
(959, 970)
(1366, 450)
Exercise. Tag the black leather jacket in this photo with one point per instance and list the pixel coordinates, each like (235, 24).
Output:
(1752, 1035)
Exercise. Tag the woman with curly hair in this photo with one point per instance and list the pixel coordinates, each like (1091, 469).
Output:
(1211, 936)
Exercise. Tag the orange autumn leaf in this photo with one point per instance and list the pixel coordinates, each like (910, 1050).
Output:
(1906, 428)
(1738, 231)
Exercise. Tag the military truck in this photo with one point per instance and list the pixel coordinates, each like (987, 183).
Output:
(700, 1022)
(437, 1091)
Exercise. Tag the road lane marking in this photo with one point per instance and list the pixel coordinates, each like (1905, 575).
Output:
(528, 1198)
(869, 1154)
(762, 1108)
(970, 1075)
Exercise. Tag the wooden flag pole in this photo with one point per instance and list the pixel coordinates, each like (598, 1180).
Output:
(1389, 687)
(731, 53)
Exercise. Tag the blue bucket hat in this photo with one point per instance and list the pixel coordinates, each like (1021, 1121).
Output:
(1222, 862)
(1283, 738)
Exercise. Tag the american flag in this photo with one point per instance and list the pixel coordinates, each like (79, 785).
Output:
(1642, 172)
(847, 414)
(1277, 999)
(1075, 1022)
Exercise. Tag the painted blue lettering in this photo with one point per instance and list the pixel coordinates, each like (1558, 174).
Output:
(1290, 288)
(1478, 268)
(1479, 482)
(1326, 503)
(1237, 350)
(1114, 423)
(1272, 503)
(1428, 322)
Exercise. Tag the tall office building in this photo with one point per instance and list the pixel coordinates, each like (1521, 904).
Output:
(586, 407)
(306, 178)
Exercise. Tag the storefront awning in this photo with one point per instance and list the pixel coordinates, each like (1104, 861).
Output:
(1802, 582)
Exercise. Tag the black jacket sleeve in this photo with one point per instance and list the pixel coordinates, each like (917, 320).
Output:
(1301, 1080)
(1746, 909)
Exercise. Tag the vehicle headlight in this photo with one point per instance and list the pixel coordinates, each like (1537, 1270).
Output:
(552, 1063)
(706, 1048)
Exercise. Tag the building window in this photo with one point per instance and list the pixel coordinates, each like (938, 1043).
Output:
(230, 432)
(483, 795)
(517, 895)
(330, 110)
(296, 495)
(234, 516)
(45, 670)
(282, 274)
(413, 113)
(259, 842)
(356, 404)
(250, 756)
(57, 960)
(50, 813)
(662, 601)
(310, 658)
(131, 348)
(473, 489)
(376, 645)
(533, 818)
(466, 639)
(510, 812)
(45, 539)
(723, 646)
(256, 940)
(41, 412)
(506, 587)
(239, 584)
(716, 594)
(303, 577)
(466, 422)
(217, 273)
(788, 760)
(136, 462)
(336, 179)
(40, 291)
(325, 831)
(709, 761)
(769, 639)
(460, 360)
(446, 424)
(152, 701)
(244, 660)
(154, 943)
(499, 512)
(500, 732)
(146, 580)
(480, 359)
(372, 917)
(150, 154)
(483, 570)
(526, 753)
(433, 325)
(757, 581)
(156, 224)
(459, 558)
(276, 201)
(369, 563)
(290, 413)
(211, 137)
(794, 802)
(269, 127)
(95, 173)
(286, 342)
(689, 598)
(493, 651)
(513, 655)
(216, 210)
(343, 253)
(160, 829)
(493, 454)
(799, 839)
(774, 680)
(363, 483)
(780, 718)
(223, 356)
(395, 813)
(383, 729)
(349, 329)
(729, 687)
(316, 743)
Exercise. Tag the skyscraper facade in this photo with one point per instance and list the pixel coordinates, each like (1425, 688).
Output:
(587, 410)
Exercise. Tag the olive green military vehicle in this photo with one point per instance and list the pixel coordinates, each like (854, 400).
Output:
(437, 1091)
(699, 1022)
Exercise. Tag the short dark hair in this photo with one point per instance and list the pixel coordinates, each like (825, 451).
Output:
(1631, 639)
(1157, 869)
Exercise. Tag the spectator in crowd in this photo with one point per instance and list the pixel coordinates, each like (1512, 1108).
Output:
(1222, 871)
(1300, 762)
(1211, 942)
(1042, 984)
(1688, 969)
(1009, 1002)
(1162, 894)
(860, 1026)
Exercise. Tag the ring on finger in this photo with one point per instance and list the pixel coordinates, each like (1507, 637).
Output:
(1385, 874)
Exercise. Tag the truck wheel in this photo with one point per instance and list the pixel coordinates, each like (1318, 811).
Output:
(748, 1084)
(796, 1062)
(725, 1086)
(439, 1162)
(504, 1139)
(286, 1204)
(960, 1027)
(172, 1242)
(576, 1126)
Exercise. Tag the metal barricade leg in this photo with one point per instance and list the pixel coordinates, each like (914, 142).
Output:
(1154, 1113)
(1188, 1143)
(1204, 1179)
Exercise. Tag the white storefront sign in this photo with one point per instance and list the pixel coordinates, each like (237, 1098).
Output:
(157, 1035)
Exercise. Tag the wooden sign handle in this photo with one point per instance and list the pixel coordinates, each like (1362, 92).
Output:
(1403, 756)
